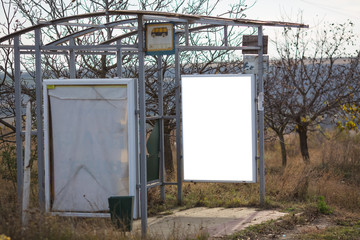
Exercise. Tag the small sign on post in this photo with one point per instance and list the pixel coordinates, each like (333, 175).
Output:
(251, 64)
(252, 40)
(160, 39)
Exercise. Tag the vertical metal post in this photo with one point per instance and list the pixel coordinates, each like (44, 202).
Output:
(226, 41)
(39, 119)
(256, 142)
(261, 118)
(119, 60)
(142, 105)
(161, 123)
(178, 123)
(72, 64)
(136, 92)
(27, 156)
(18, 123)
(186, 34)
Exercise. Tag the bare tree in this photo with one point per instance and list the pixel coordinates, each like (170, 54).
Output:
(276, 97)
(312, 80)
(8, 24)
(103, 66)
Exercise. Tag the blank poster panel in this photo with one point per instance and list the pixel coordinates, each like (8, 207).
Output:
(89, 146)
(219, 141)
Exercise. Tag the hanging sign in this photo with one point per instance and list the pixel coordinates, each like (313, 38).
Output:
(159, 39)
(252, 40)
(251, 64)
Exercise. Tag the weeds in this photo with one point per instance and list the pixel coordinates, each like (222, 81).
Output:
(348, 232)
(272, 228)
(323, 207)
(8, 162)
(3, 237)
(333, 175)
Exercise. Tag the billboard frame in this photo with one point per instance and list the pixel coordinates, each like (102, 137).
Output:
(132, 158)
(230, 109)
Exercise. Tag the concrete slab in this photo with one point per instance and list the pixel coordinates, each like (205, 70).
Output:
(217, 222)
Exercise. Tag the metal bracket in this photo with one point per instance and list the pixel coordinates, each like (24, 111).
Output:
(33, 133)
(261, 101)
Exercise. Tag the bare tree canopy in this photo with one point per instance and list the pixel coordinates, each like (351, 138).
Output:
(310, 82)
(24, 13)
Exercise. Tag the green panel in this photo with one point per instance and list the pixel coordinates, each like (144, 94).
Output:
(121, 211)
(153, 148)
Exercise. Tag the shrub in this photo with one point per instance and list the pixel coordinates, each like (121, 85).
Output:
(322, 206)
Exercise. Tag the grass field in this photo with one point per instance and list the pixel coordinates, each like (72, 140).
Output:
(326, 190)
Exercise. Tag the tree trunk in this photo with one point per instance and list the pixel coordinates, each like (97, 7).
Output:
(103, 70)
(302, 131)
(283, 149)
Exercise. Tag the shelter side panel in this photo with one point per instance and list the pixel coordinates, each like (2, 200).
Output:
(90, 146)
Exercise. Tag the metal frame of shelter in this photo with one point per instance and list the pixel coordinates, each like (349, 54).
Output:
(114, 47)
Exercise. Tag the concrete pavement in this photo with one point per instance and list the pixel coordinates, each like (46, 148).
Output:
(216, 222)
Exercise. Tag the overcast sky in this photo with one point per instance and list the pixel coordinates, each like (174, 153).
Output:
(315, 13)
(329, 10)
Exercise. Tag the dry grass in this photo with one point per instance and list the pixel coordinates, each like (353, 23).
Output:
(333, 174)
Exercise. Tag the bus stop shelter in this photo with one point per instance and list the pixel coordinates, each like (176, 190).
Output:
(134, 24)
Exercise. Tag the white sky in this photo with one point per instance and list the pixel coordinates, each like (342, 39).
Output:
(315, 13)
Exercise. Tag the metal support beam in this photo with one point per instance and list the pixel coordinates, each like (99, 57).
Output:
(119, 60)
(261, 118)
(155, 184)
(72, 64)
(18, 123)
(87, 53)
(170, 183)
(226, 43)
(161, 123)
(39, 120)
(142, 105)
(33, 133)
(187, 34)
(137, 115)
(178, 123)
(214, 48)
(257, 157)
(90, 48)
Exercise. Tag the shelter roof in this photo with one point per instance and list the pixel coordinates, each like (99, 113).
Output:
(162, 16)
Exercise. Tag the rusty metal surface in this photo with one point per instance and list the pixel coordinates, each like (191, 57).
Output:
(190, 18)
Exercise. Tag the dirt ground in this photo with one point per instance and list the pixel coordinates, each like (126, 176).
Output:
(318, 225)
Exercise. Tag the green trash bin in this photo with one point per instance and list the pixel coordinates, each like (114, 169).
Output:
(121, 211)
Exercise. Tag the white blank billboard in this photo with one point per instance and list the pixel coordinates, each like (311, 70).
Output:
(219, 136)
